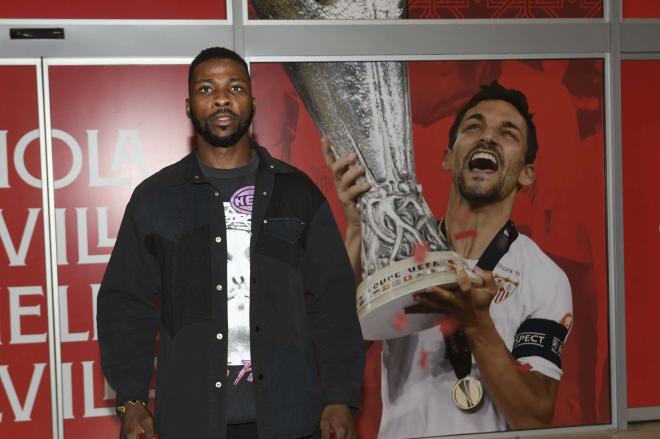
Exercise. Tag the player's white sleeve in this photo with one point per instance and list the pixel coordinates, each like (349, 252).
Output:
(540, 338)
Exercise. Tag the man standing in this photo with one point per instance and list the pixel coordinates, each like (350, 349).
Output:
(258, 335)
(508, 332)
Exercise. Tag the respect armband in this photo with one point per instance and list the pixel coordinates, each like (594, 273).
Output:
(540, 338)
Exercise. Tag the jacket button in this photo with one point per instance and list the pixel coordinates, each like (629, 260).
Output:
(218, 384)
(219, 336)
(218, 239)
(218, 287)
(265, 193)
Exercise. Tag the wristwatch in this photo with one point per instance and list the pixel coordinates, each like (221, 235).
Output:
(121, 409)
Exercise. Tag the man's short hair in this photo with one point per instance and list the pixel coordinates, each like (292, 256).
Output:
(495, 92)
(215, 53)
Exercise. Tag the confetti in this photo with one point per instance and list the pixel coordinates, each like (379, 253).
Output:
(420, 251)
(400, 322)
(524, 367)
(465, 234)
(423, 359)
(448, 324)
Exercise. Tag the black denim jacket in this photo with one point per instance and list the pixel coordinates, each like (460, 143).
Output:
(306, 344)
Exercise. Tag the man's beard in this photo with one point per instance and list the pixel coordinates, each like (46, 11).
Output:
(477, 195)
(472, 191)
(222, 142)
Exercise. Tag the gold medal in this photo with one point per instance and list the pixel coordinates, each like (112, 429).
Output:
(467, 393)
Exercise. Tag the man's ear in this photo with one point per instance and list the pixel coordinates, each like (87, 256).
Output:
(188, 108)
(527, 175)
(447, 159)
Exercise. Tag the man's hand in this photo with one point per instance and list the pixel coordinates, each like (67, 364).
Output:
(345, 175)
(468, 302)
(337, 422)
(137, 423)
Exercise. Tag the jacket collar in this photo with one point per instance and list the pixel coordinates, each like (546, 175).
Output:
(187, 169)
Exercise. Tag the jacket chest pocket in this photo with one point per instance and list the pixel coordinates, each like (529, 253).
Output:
(282, 238)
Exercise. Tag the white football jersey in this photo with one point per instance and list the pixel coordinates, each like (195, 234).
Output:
(417, 379)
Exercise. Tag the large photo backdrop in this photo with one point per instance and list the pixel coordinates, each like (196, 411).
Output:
(563, 212)
(114, 125)
(440, 9)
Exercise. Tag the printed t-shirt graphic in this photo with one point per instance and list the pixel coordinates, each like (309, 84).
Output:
(238, 211)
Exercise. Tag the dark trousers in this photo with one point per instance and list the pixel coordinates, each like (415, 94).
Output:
(249, 431)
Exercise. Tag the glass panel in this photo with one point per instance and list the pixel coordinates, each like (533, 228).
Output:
(641, 146)
(118, 9)
(112, 127)
(563, 211)
(25, 399)
(424, 9)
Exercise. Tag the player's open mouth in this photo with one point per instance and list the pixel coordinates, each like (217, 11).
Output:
(483, 161)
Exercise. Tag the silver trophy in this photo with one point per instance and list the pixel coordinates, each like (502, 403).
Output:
(365, 108)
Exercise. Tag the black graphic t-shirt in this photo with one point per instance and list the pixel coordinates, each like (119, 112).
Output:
(236, 191)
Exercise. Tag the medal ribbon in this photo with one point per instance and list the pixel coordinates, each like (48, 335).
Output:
(457, 348)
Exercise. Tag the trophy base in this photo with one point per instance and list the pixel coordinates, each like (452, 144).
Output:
(383, 296)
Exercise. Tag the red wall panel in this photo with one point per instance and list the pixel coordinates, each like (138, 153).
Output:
(122, 123)
(641, 154)
(641, 9)
(118, 9)
(25, 408)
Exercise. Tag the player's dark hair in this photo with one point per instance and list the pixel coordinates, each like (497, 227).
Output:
(495, 92)
(215, 53)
